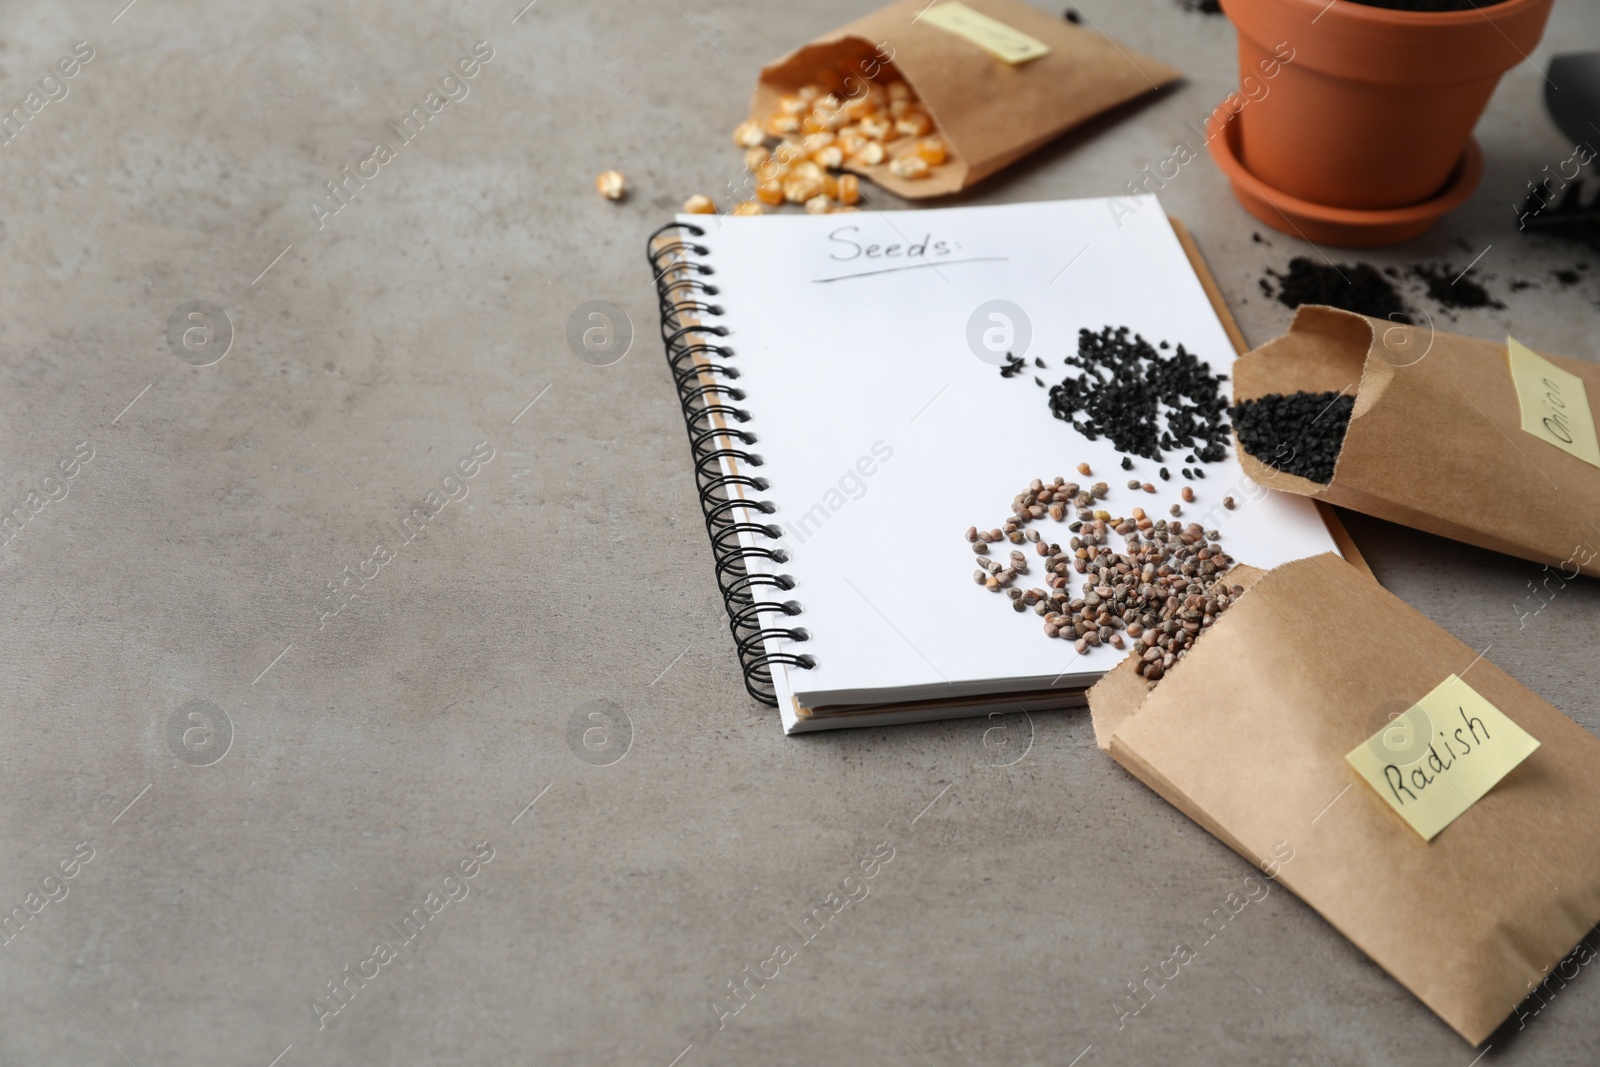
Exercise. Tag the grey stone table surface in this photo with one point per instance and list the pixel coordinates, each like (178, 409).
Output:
(252, 792)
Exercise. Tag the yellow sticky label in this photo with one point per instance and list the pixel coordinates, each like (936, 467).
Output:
(1441, 756)
(1555, 405)
(996, 38)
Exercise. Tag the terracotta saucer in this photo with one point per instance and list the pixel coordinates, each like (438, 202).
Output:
(1347, 227)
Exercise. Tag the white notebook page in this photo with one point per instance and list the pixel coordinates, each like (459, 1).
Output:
(884, 436)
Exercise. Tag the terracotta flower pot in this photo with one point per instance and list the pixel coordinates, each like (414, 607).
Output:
(1374, 108)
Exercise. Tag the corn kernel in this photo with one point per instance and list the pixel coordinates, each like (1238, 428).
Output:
(830, 186)
(790, 105)
(782, 125)
(859, 107)
(912, 166)
(797, 189)
(755, 157)
(816, 142)
(898, 108)
(787, 154)
(871, 154)
(915, 124)
(771, 171)
(831, 156)
(748, 207)
(851, 141)
(612, 185)
(931, 151)
(819, 205)
(748, 134)
(699, 205)
(807, 169)
(849, 189)
(874, 128)
(899, 91)
(770, 192)
(809, 93)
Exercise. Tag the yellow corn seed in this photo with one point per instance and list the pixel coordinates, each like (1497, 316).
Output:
(819, 205)
(797, 189)
(807, 169)
(748, 207)
(755, 157)
(931, 151)
(911, 167)
(831, 156)
(830, 186)
(874, 128)
(612, 185)
(699, 205)
(849, 189)
(809, 93)
(786, 154)
(770, 192)
(859, 107)
(899, 91)
(816, 142)
(851, 140)
(748, 134)
(914, 124)
(871, 154)
(783, 125)
(790, 105)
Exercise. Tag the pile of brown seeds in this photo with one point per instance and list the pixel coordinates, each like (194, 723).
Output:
(1165, 586)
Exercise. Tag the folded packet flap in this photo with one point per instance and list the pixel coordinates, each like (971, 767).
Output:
(1250, 732)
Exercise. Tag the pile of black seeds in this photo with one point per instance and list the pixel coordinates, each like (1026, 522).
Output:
(1358, 287)
(1429, 5)
(1297, 433)
(1452, 288)
(1156, 596)
(1143, 399)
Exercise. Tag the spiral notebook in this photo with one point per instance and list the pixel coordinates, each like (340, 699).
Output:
(848, 420)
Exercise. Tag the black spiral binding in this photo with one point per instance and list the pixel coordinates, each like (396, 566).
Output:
(714, 421)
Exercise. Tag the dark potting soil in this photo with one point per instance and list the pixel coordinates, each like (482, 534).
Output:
(1297, 433)
(1451, 288)
(1144, 398)
(1358, 287)
(1429, 5)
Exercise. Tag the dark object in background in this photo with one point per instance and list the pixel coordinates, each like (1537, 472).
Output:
(1297, 433)
(1358, 287)
(1143, 400)
(1564, 213)
(1453, 289)
(1205, 7)
(1072, 16)
(1572, 95)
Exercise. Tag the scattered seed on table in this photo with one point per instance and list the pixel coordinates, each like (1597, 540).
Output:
(1228, 503)
(981, 548)
(1127, 464)
(1134, 483)
(1188, 495)
(1083, 469)
(1166, 475)
(1149, 488)
(972, 533)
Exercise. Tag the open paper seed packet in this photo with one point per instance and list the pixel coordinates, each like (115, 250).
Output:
(1436, 812)
(1488, 443)
(998, 79)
